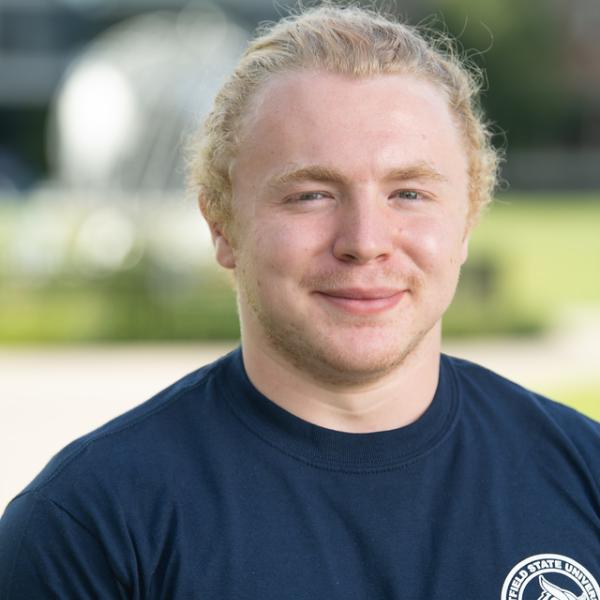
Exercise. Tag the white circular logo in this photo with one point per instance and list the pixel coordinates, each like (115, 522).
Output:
(550, 577)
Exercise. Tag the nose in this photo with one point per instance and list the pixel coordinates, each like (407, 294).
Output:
(364, 231)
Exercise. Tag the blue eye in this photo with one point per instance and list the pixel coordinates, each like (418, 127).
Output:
(408, 195)
(307, 196)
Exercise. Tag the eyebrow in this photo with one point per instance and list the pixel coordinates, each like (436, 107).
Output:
(419, 171)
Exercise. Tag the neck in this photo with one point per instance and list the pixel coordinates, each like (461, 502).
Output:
(394, 400)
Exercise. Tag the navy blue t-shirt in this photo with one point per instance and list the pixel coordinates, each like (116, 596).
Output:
(210, 491)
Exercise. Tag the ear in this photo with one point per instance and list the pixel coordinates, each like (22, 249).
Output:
(224, 250)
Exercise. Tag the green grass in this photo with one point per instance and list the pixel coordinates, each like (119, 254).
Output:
(531, 257)
(548, 247)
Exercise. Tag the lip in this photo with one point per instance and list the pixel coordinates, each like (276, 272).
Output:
(363, 301)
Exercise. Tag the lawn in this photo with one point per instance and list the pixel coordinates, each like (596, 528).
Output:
(532, 258)
(548, 246)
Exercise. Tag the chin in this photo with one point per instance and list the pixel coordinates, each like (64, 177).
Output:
(337, 351)
(340, 361)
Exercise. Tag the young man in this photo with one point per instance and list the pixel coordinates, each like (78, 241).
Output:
(337, 454)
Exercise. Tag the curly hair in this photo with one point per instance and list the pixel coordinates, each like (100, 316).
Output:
(351, 41)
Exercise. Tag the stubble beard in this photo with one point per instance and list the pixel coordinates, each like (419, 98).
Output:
(328, 366)
(312, 352)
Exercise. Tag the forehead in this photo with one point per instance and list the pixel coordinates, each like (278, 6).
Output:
(360, 125)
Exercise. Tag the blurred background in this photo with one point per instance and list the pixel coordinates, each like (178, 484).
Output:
(108, 288)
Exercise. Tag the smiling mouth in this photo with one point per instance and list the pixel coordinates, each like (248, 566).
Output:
(363, 301)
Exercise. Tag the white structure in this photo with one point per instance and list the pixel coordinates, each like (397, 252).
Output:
(120, 120)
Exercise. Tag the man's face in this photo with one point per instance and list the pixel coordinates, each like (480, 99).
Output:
(350, 221)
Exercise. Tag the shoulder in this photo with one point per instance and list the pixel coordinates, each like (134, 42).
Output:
(487, 385)
(148, 436)
(124, 481)
(523, 417)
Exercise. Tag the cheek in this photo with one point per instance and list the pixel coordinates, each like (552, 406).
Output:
(287, 247)
(271, 254)
(435, 246)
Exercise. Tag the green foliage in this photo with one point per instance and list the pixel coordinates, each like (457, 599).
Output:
(119, 309)
(523, 49)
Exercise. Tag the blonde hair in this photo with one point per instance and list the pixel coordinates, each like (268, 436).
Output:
(350, 41)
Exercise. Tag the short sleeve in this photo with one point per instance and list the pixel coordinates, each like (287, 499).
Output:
(46, 553)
